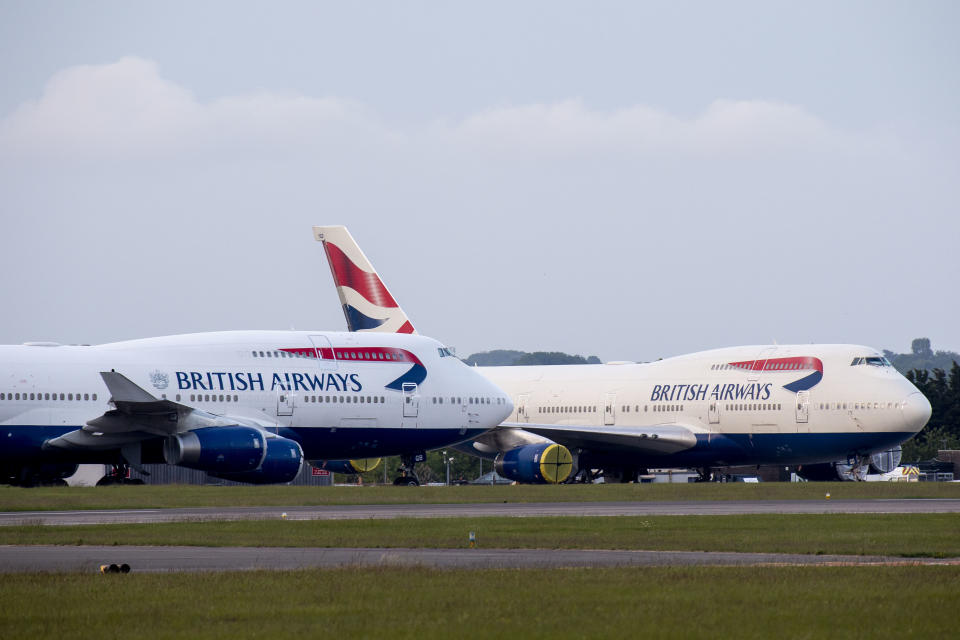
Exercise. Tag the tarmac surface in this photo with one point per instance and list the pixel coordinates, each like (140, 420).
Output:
(518, 509)
(50, 558)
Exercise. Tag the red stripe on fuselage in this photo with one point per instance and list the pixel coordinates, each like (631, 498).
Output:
(347, 274)
(800, 363)
(358, 354)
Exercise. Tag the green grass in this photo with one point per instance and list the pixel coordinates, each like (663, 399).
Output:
(915, 535)
(152, 497)
(695, 602)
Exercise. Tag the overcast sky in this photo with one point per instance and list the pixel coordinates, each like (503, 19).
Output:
(631, 180)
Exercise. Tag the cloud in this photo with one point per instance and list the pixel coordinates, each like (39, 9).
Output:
(127, 109)
(725, 126)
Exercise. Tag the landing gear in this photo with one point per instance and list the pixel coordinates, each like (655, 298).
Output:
(585, 476)
(43, 475)
(407, 477)
(705, 474)
(119, 474)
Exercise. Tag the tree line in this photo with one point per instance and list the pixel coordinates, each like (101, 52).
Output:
(942, 389)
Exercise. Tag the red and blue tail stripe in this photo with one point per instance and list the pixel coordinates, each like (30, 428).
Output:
(367, 284)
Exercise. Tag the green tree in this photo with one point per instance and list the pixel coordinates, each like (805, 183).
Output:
(508, 357)
(942, 389)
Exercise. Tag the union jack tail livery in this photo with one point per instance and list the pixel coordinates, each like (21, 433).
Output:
(367, 304)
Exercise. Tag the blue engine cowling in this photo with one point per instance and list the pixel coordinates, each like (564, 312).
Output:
(217, 449)
(535, 464)
(281, 464)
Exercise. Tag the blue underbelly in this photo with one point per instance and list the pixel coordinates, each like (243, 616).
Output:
(757, 449)
(25, 443)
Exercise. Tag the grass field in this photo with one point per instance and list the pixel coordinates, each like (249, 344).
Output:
(143, 497)
(698, 602)
(915, 535)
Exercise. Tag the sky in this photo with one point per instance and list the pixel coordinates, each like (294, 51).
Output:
(631, 180)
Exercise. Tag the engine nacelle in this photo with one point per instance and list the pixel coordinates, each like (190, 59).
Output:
(217, 449)
(347, 466)
(281, 464)
(886, 461)
(535, 464)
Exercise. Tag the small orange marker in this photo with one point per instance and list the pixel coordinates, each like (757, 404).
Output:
(473, 539)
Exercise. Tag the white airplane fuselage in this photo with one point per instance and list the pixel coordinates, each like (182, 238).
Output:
(339, 395)
(790, 404)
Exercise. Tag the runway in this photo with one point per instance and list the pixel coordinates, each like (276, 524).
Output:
(519, 509)
(50, 558)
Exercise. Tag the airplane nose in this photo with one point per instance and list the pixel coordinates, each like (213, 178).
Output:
(508, 407)
(916, 411)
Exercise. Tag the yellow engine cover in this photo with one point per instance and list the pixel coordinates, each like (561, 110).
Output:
(556, 463)
(365, 464)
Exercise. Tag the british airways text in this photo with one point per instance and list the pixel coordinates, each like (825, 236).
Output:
(245, 381)
(692, 392)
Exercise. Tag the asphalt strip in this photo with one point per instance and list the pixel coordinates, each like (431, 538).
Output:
(495, 509)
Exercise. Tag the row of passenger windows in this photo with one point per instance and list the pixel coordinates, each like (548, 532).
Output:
(205, 397)
(278, 354)
(769, 366)
(345, 399)
(842, 406)
(67, 397)
(775, 406)
(460, 400)
(657, 408)
(368, 355)
(573, 409)
(341, 355)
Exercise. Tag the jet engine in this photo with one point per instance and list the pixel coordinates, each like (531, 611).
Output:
(281, 464)
(547, 463)
(886, 461)
(347, 466)
(217, 449)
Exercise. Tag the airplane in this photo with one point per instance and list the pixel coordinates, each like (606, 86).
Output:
(249, 406)
(737, 406)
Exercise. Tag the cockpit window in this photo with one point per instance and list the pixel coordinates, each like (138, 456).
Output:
(444, 352)
(874, 361)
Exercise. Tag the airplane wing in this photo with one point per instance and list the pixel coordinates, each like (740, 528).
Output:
(137, 415)
(653, 439)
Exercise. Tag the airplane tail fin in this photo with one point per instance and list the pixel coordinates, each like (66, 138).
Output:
(367, 304)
